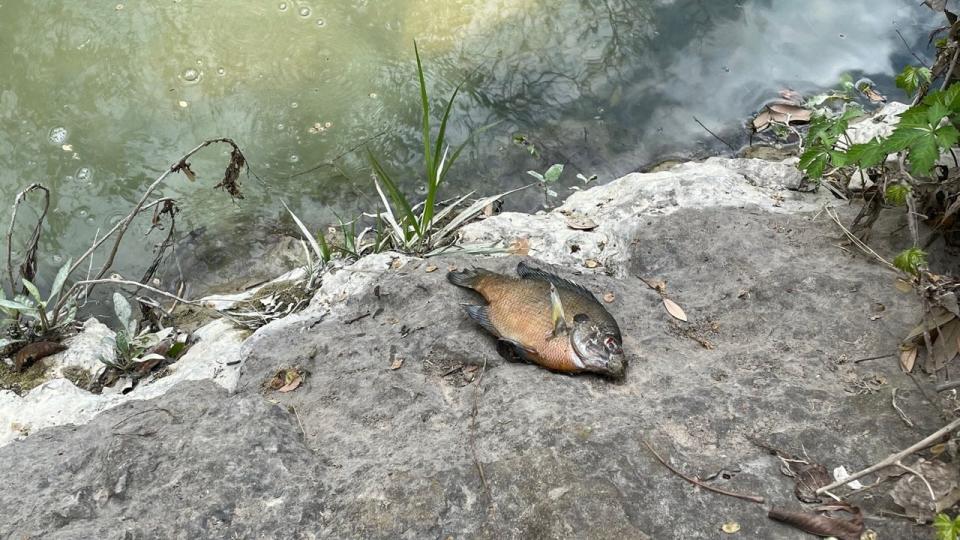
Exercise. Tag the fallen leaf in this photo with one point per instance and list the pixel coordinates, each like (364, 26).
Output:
(609, 298)
(949, 302)
(947, 345)
(397, 363)
(938, 449)
(873, 95)
(581, 223)
(520, 246)
(591, 263)
(809, 478)
(431, 268)
(730, 527)
(292, 385)
(34, 352)
(743, 293)
(908, 357)
(791, 95)
(912, 494)
(488, 210)
(781, 113)
(903, 285)
(673, 309)
(823, 525)
(936, 318)
(67, 148)
(396, 263)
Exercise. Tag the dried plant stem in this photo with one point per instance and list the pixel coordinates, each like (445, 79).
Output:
(30, 252)
(699, 483)
(933, 496)
(893, 459)
(903, 415)
(134, 284)
(857, 242)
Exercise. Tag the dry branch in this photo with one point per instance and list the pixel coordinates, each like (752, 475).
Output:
(894, 459)
(28, 267)
(699, 483)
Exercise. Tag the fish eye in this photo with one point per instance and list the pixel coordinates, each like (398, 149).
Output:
(610, 343)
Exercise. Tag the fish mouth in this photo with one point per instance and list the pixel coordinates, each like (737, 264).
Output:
(616, 366)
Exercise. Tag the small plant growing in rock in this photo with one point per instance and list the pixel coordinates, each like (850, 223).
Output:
(27, 316)
(550, 176)
(132, 348)
(947, 529)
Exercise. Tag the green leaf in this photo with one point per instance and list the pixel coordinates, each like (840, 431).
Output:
(34, 292)
(897, 194)
(912, 78)
(425, 110)
(868, 154)
(60, 280)
(402, 206)
(814, 162)
(553, 173)
(910, 260)
(924, 152)
(947, 528)
(537, 175)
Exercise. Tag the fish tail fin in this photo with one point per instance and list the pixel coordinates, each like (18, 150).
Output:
(467, 278)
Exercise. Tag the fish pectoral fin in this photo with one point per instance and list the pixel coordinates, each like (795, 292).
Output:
(481, 314)
(514, 352)
(556, 313)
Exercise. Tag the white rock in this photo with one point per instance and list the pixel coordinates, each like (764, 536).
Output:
(58, 402)
(619, 207)
(881, 124)
(95, 341)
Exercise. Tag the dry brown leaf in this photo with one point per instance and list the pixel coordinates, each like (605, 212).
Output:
(782, 113)
(730, 527)
(937, 318)
(396, 263)
(488, 210)
(581, 223)
(520, 246)
(294, 380)
(903, 285)
(673, 309)
(591, 263)
(908, 357)
(873, 95)
(822, 525)
(431, 268)
(609, 297)
(947, 345)
(397, 363)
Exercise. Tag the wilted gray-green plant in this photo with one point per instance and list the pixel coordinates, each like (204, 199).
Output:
(130, 346)
(30, 312)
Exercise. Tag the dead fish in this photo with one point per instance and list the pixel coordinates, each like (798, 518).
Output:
(35, 351)
(545, 319)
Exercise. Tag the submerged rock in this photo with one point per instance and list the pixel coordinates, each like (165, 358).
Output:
(409, 425)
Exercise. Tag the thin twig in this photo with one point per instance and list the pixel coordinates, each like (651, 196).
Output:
(894, 458)
(903, 415)
(699, 483)
(953, 64)
(715, 136)
(949, 385)
(857, 361)
(933, 496)
(135, 284)
(907, 45)
(859, 243)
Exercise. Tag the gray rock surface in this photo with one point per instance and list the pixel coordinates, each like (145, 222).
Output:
(363, 450)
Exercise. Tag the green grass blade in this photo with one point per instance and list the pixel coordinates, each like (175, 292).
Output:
(441, 135)
(308, 235)
(403, 207)
(34, 292)
(60, 280)
(425, 109)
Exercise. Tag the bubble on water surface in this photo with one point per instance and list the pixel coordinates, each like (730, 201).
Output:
(304, 11)
(294, 105)
(321, 23)
(282, 6)
(84, 174)
(58, 135)
(190, 75)
(294, 158)
(221, 71)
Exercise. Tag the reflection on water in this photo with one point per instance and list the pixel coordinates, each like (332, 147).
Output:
(98, 98)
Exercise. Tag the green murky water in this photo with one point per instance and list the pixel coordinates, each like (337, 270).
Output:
(98, 98)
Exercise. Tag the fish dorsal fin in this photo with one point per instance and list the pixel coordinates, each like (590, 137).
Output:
(529, 272)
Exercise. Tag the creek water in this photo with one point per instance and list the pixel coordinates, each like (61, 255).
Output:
(98, 98)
